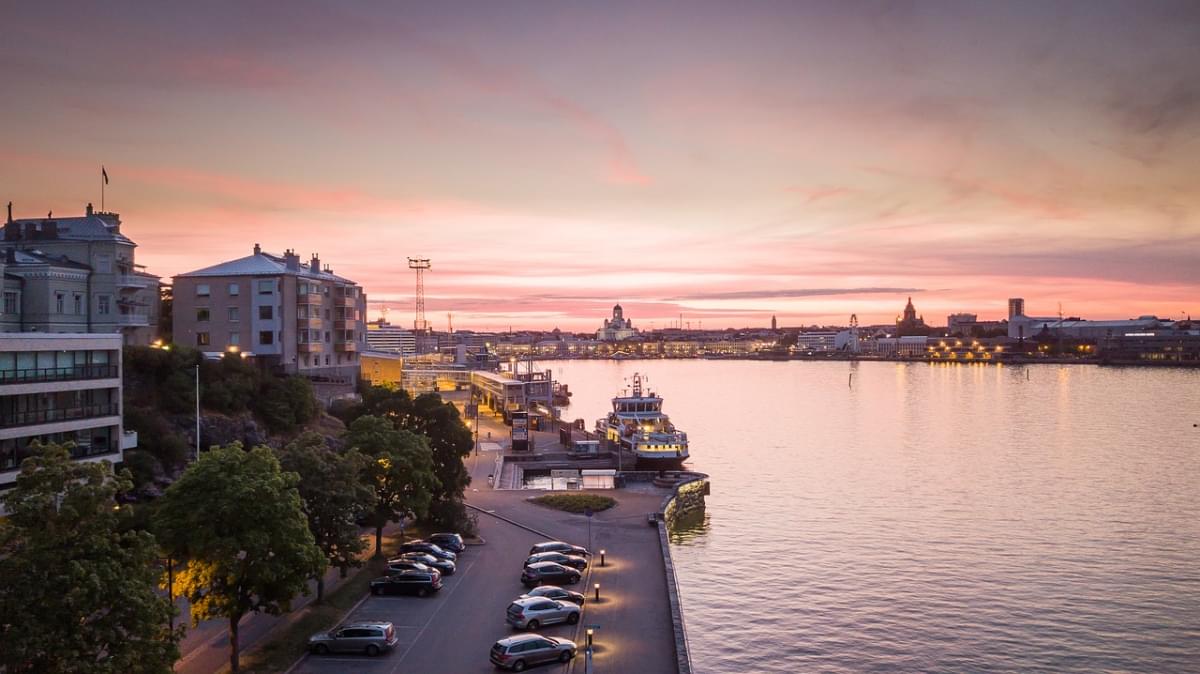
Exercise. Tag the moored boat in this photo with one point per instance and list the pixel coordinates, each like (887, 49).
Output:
(637, 424)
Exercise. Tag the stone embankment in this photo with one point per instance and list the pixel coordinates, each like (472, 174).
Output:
(687, 496)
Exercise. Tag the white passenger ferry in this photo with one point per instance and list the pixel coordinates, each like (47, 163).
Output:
(637, 423)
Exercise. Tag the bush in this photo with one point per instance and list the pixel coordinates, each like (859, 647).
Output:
(576, 503)
(453, 516)
(142, 466)
(286, 404)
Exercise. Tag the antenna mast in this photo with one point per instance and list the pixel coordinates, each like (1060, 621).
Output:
(420, 265)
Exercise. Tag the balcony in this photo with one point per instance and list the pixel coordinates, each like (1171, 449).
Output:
(345, 347)
(309, 298)
(344, 300)
(310, 322)
(344, 324)
(80, 372)
(36, 417)
(133, 320)
(133, 281)
(309, 347)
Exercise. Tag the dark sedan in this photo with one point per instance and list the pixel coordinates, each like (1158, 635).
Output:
(559, 546)
(452, 542)
(540, 573)
(555, 592)
(446, 567)
(420, 583)
(429, 549)
(558, 557)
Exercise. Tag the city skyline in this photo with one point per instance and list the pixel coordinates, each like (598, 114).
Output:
(807, 162)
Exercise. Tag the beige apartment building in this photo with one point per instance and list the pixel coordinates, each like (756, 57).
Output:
(293, 317)
(75, 274)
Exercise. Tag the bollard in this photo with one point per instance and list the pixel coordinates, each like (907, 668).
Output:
(590, 632)
(597, 591)
(601, 558)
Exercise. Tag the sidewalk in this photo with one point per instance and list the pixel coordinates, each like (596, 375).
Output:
(205, 648)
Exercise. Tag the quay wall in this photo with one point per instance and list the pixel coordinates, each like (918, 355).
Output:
(687, 496)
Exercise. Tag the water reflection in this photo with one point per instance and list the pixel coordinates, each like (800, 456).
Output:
(688, 528)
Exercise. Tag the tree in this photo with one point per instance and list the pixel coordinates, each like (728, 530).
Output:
(399, 470)
(334, 494)
(78, 589)
(238, 520)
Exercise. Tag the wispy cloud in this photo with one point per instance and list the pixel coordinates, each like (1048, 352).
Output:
(794, 293)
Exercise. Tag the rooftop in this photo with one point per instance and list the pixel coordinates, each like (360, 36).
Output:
(260, 263)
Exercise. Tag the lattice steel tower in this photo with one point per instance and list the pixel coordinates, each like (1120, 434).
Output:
(420, 265)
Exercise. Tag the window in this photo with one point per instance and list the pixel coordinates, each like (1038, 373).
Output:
(78, 303)
(202, 315)
(103, 304)
(103, 264)
(266, 337)
(234, 290)
(233, 315)
(235, 338)
(266, 312)
(60, 300)
(11, 305)
(201, 339)
(326, 359)
(327, 338)
(202, 290)
(266, 287)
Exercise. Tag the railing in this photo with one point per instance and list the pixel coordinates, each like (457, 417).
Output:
(309, 347)
(11, 460)
(345, 346)
(133, 319)
(310, 322)
(73, 373)
(309, 298)
(50, 416)
(132, 281)
(344, 300)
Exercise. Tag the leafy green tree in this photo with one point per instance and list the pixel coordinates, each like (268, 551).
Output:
(334, 496)
(78, 588)
(399, 470)
(238, 520)
(427, 414)
(286, 403)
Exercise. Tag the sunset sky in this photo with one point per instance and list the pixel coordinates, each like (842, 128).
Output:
(727, 160)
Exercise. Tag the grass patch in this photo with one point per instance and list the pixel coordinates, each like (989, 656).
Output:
(575, 503)
(288, 640)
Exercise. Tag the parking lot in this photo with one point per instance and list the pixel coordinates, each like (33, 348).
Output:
(454, 629)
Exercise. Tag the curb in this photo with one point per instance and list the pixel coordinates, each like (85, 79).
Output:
(512, 522)
(352, 609)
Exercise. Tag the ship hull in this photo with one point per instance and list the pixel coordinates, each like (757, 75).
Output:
(660, 463)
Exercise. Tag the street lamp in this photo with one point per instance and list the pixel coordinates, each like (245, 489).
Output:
(597, 591)
(602, 558)
(590, 633)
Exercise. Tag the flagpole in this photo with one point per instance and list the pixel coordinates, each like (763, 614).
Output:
(101, 188)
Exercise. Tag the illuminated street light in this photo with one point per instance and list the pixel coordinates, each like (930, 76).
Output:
(601, 558)
(590, 633)
(597, 591)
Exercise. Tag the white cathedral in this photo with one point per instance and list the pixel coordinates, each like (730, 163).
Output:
(616, 328)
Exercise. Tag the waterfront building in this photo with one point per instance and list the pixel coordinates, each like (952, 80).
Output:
(817, 341)
(907, 346)
(616, 328)
(75, 274)
(62, 388)
(292, 317)
(383, 336)
(1179, 345)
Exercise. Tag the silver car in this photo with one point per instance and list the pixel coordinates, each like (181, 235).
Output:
(519, 651)
(533, 612)
(371, 638)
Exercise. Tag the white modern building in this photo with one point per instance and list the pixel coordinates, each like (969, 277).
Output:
(61, 388)
(382, 336)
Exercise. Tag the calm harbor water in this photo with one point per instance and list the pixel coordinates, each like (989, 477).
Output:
(933, 518)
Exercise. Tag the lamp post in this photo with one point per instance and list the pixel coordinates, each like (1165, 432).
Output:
(197, 411)
(597, 587)
(602, 558)
(590, 633)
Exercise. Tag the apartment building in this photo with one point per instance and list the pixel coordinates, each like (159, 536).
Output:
(75, 274)
(296, 318)
(60, 388)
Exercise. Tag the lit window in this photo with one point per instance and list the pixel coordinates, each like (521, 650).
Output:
(201, 339)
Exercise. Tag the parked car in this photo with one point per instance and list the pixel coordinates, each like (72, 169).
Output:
(420, 583)
(554, 592)
(521, 650)
(371, 638)
(548, 572)
(429, 549)
(399, 565)
(566, 560)
(534, 612)
(559, 546)
(452, 542)
(445, 566)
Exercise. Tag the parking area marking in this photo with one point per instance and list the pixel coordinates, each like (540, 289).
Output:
(429, 621)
